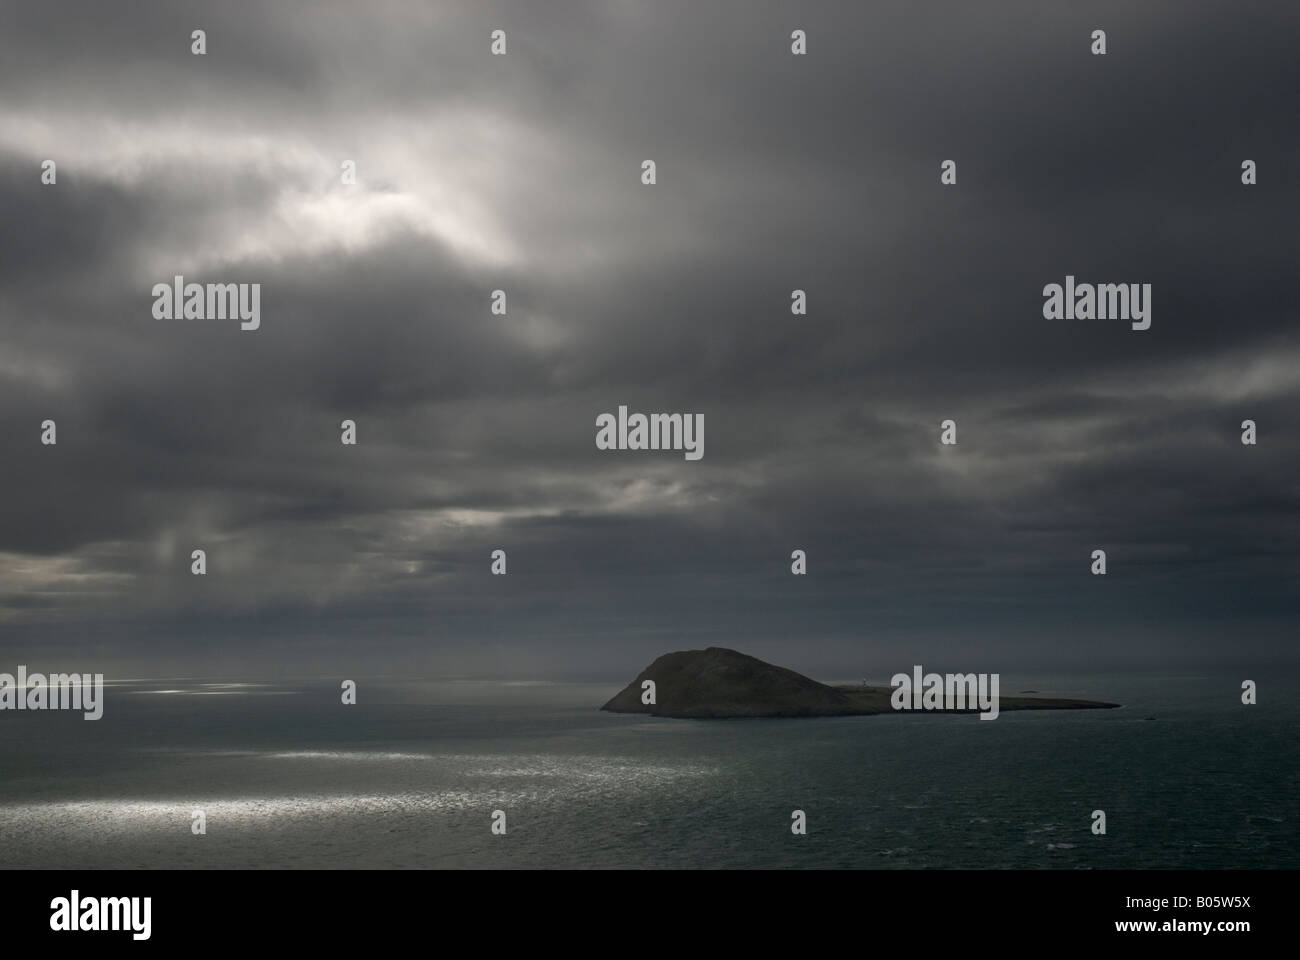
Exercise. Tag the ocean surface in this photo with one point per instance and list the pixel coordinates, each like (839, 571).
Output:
(289, 777)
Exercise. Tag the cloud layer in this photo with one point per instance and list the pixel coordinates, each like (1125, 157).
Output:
(476, 431)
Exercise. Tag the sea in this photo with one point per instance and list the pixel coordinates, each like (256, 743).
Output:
(416, 773)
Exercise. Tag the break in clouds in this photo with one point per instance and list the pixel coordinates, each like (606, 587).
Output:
(523, 174)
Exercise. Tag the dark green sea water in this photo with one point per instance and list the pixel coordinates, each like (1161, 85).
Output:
(409, 777)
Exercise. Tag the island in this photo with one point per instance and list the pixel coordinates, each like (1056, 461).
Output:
(718, 683)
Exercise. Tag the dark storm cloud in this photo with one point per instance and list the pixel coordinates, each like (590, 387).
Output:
(476, 431)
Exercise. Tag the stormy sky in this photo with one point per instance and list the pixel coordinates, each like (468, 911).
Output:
(476, 432)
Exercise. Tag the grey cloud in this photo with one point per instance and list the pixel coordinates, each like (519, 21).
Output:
(521, 173)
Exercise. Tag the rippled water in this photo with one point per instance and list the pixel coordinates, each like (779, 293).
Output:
(289, 777)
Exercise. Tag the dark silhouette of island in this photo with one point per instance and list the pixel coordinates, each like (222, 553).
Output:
(719, 683)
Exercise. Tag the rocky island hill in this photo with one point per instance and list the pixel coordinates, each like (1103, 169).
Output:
(719, 683)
